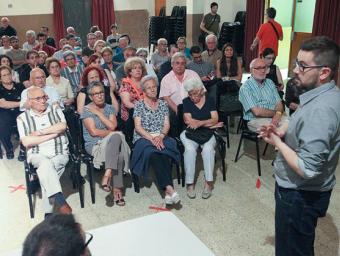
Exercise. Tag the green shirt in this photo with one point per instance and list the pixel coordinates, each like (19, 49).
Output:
(211, 24)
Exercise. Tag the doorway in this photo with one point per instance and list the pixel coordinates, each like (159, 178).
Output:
(296, 18)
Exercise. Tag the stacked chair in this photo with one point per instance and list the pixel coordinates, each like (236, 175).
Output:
(169, 27)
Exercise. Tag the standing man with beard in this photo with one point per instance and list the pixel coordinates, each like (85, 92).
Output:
(308, 151)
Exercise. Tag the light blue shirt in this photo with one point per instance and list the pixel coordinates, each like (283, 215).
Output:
(252, 94)
(52, 93)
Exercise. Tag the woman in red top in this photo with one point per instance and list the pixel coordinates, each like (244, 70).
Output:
(131, 92)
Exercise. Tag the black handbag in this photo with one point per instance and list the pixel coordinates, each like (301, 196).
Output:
(200, 135)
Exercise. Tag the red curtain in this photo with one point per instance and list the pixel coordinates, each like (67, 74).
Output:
(327, 19)
(254, 18)
(58, 20)
(103, 15)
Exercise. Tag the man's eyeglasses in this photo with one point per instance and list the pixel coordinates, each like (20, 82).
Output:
(97, 94)
(260, 68)
(68, 59)
(88, 239)
(302, 67)
(39, 77)
(40, 99)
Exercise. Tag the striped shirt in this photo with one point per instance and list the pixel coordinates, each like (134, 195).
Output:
(29, 121)
(74, 76)
(252, 94)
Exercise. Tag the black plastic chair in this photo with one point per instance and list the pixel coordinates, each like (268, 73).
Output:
(228, 91)
(32, 181)
(252, 136)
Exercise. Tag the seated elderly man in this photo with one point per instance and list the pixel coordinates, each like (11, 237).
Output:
(38, 79)
(42, 132)
(172, 89)
(260, 99)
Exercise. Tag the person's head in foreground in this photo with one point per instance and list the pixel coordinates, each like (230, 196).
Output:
(58, 235)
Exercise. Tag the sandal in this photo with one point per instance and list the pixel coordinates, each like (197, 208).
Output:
(106, 186)
(120, 200)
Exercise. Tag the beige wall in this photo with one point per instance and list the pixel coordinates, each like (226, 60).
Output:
(25, 7)
(124, 5)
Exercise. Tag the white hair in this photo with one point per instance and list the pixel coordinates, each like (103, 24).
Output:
(193, 84)
(139, 50)
(146, 79)
(209, 37)
(161, 40)
(30, 33)
(176, 56)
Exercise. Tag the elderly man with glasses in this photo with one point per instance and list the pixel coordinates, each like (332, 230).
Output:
(260, 99)
(38, 79)
(42, 132)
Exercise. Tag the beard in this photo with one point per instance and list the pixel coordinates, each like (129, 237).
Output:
(307, 86)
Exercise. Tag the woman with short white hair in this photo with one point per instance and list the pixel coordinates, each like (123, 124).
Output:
(200, 116)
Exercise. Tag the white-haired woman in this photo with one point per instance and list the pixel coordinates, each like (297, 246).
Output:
(200, 116)
(151, 143)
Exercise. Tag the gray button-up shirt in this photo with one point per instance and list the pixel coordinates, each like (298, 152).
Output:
(314, 134)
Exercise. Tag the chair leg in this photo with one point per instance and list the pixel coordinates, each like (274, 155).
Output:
(79, 184)
(239, 147)
(222, 154)
(178, 173)
(258, 157)
(90, 174)
(183, 171)
(265, 149)
(135, 181)
(29, 194)
(239, 126)
(227, 131)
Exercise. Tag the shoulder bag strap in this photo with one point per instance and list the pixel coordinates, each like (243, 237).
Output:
(277, 33)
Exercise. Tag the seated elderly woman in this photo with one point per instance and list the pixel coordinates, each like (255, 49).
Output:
(10, 94)
(92, 74)
(131, 92)
(103, 143)
(200, 116)
(151, 144)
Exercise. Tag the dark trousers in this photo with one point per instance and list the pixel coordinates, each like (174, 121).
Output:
(296, 217)
(7, 122)
(162, 167)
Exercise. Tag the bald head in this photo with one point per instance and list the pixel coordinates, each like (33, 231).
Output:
(4, 22)
(38, 77)
(37, 99)
(258, 69)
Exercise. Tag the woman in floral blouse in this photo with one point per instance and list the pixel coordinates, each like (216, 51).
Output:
(151, 143)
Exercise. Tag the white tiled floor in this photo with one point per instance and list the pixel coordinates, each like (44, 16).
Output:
(237, 220)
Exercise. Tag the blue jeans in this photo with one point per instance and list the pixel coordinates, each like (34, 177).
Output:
(296, 217)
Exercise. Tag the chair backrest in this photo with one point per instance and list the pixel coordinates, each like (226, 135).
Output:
(227, 97)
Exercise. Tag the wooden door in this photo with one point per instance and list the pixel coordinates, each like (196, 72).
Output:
(158, 5)
(77, 13)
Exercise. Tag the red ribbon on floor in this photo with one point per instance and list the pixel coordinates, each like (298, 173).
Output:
(158, 209)
(258, 183)
(15, 188)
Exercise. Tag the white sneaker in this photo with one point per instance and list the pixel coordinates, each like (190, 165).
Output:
(173, 199)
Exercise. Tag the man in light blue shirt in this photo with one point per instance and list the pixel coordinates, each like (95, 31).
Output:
(309, 151)
(38, 78)
(259, 97)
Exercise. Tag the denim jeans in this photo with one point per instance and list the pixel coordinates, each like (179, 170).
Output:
(296, 217)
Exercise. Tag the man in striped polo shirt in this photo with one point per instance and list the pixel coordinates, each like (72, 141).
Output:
(42, 132)
(260, 99)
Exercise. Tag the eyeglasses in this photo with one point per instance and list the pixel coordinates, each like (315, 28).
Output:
(40, 98)
(68, 59)
(260, 68)
(97, 94)
(269, 58)
(195, 94)
(302, 67)
(39, 77)
(151, 88)
(88, 239)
